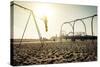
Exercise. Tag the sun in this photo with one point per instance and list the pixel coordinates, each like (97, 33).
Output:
(44, 10)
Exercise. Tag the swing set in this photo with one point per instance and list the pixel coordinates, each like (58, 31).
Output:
(31, 14)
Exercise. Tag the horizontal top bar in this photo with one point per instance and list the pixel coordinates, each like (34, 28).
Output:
(12, 3)
(81, 19)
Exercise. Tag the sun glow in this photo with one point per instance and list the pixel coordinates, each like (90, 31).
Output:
(43, 10)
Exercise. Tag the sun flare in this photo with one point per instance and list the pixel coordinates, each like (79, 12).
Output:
(43, 10)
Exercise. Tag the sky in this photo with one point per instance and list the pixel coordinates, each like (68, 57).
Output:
(56, 13)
